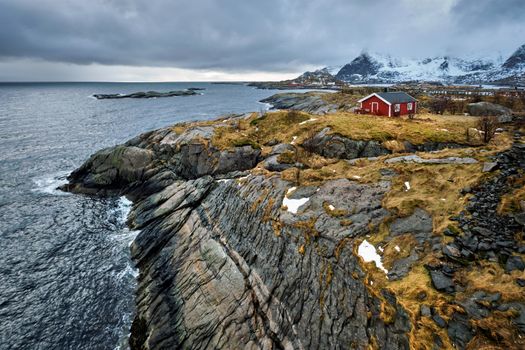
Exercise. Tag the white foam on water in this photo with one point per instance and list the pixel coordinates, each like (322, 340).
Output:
(48, 183)
(368, 252)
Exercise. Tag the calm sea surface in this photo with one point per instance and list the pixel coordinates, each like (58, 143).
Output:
(66, 279)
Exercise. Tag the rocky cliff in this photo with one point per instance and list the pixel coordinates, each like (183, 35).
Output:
(232, 255)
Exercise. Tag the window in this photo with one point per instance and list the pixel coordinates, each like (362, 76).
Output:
(397, 107)
(409, 106)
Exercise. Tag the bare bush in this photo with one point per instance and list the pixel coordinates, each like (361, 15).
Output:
(487, 126)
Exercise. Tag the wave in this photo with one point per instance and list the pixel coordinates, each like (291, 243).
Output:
(49, 183)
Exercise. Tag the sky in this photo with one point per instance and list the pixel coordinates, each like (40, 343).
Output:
(221, 40)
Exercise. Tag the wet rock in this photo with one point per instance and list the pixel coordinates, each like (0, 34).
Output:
(110, 169)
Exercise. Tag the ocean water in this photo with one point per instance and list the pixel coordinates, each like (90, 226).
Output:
(66, 279)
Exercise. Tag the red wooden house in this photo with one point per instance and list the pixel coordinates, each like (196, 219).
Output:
(388, 104)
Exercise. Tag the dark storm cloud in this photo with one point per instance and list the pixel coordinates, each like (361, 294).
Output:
(271, 35)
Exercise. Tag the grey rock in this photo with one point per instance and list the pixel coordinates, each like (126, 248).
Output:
(417, 159)
(401, 267)
(459, 330)
(442, 282)
(424, 310)
(307, 102)
(282, 148)
(489, 166)
(419, 223)
(514, 262)
(337, 146)
(488, 109)
(439, 320)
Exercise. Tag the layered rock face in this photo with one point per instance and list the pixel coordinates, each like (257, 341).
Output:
(233, 256)
(224, 266)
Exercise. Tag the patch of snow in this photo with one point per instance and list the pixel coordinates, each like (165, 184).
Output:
(446, 130)
(368, 252)
(293, 205)
(331, 207)
(443, 199)
(293, 140)
(356, 177)
(308, 121)
(224, 180)
(241, 179)
(407, 186)
(397, 248)
(380, 249)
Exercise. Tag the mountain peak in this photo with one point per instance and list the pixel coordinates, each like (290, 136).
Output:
(516, 60)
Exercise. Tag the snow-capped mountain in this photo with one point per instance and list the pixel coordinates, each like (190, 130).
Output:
(376, 68)
(322, 76)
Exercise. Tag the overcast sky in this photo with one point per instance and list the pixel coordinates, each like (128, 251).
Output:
(182, 40)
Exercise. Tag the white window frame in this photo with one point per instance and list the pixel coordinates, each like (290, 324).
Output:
(397, 107)
(409, 106)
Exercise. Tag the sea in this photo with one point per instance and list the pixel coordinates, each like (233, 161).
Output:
(66, 277)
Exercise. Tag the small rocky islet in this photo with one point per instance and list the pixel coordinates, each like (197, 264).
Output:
(149, 94)
(250, 228)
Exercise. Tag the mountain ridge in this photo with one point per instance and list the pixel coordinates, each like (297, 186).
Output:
(378, 68)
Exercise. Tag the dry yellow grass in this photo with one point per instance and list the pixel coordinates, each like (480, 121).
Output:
(283, 126)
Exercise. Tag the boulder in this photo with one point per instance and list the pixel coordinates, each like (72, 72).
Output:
(110, 168)
(479, 109)
(337, 146)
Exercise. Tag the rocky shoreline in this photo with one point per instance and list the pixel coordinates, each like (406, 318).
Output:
(233, 254)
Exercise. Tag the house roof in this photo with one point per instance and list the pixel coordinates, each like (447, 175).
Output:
(392, 97)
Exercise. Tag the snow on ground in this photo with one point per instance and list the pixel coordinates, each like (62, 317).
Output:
(331, 207)
(293, 140)
(308, 121)
(407, 186)
(397, 248)
(294, 204)
(368, 252)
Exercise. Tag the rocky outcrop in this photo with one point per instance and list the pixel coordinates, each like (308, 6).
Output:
(313, 103)
(332, 145)
(148, 94)
(224, 265)
(233, 256)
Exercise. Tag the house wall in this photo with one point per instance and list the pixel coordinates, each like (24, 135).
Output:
(366, 106)
(404, 109)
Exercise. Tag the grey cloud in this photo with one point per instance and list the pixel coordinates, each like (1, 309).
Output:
(271, 35)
